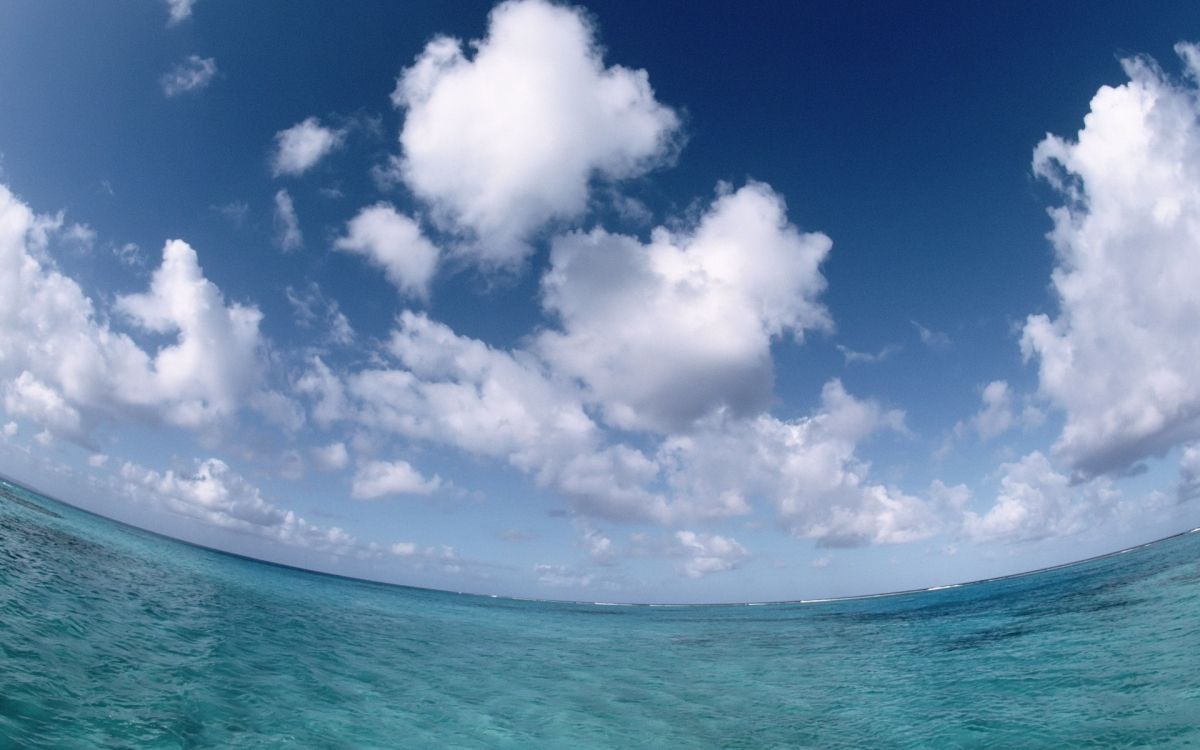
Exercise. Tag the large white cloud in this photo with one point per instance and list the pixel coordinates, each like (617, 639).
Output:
(1120, 357)
(666, 333)
(1036, 502)
(65, 365)
(509, 138)
(395, 243)
(808, 469)
(507, 405)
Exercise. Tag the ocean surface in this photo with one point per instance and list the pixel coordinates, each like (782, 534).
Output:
(111, 637)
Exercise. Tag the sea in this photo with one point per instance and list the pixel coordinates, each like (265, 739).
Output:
(112, 637)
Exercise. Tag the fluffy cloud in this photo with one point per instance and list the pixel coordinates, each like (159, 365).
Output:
(699, 308)
(300, 147)
(505, 140)
(65, 365)
(287, 224)
(1036, 502)
(32, 399)
(378, 478)
(808, 469)
(179, 11)
(214, 362)
(1119, 359)
(217, 495)
(456, 391)
(707, 553)
(998, 414)
(193, 74)
(394, 243)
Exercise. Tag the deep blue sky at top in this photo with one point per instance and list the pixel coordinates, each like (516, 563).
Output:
(902, 131)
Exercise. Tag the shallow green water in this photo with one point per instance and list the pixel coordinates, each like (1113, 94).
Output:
(111, 637)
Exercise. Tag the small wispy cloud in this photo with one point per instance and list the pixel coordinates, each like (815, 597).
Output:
(931, 338)
(193, 74)
(869, 358)
(287, 224)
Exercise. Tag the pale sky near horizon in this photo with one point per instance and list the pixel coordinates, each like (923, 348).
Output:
(607, 302)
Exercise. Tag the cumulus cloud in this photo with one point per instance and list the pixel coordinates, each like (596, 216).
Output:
(179, 11)
(394, 243)
(300, 147)
(287, 224)
(510, 137)
(65, 365)
(808, 469)
(707, 553)
(999, 413)
(193, 74)
(456, 391)
(215, 494)
(1119, 358)
(699, 307)
(378, 478)
(1036, 502)
(32, 399)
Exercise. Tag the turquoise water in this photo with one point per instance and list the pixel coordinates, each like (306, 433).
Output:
(111, 637)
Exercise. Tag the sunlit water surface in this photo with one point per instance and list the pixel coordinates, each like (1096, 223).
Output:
(110, 637)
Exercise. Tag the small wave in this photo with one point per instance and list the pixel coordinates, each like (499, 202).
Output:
(947, 586)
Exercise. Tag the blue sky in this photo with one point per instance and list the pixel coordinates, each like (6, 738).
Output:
(610, 302)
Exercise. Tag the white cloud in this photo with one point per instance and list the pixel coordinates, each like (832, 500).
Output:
(287, 224)
(1120, 357)
(510, 138)
(97, 460)
(213, 365)
(300, 147)
(1037, 502)
(808, 469)
(217, 495)
(394, 243)
(332, 457)
(1189, 474)
(707, 553)
(66, 366)
(192, 74)
(378, 478)
(996, 417)
(868, 358)
(179, 11)
(10, 429)
(699, 307)
(32, 399)
(931, 338)
(456, 391)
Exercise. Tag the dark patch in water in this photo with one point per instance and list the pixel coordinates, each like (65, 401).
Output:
(8, 494)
